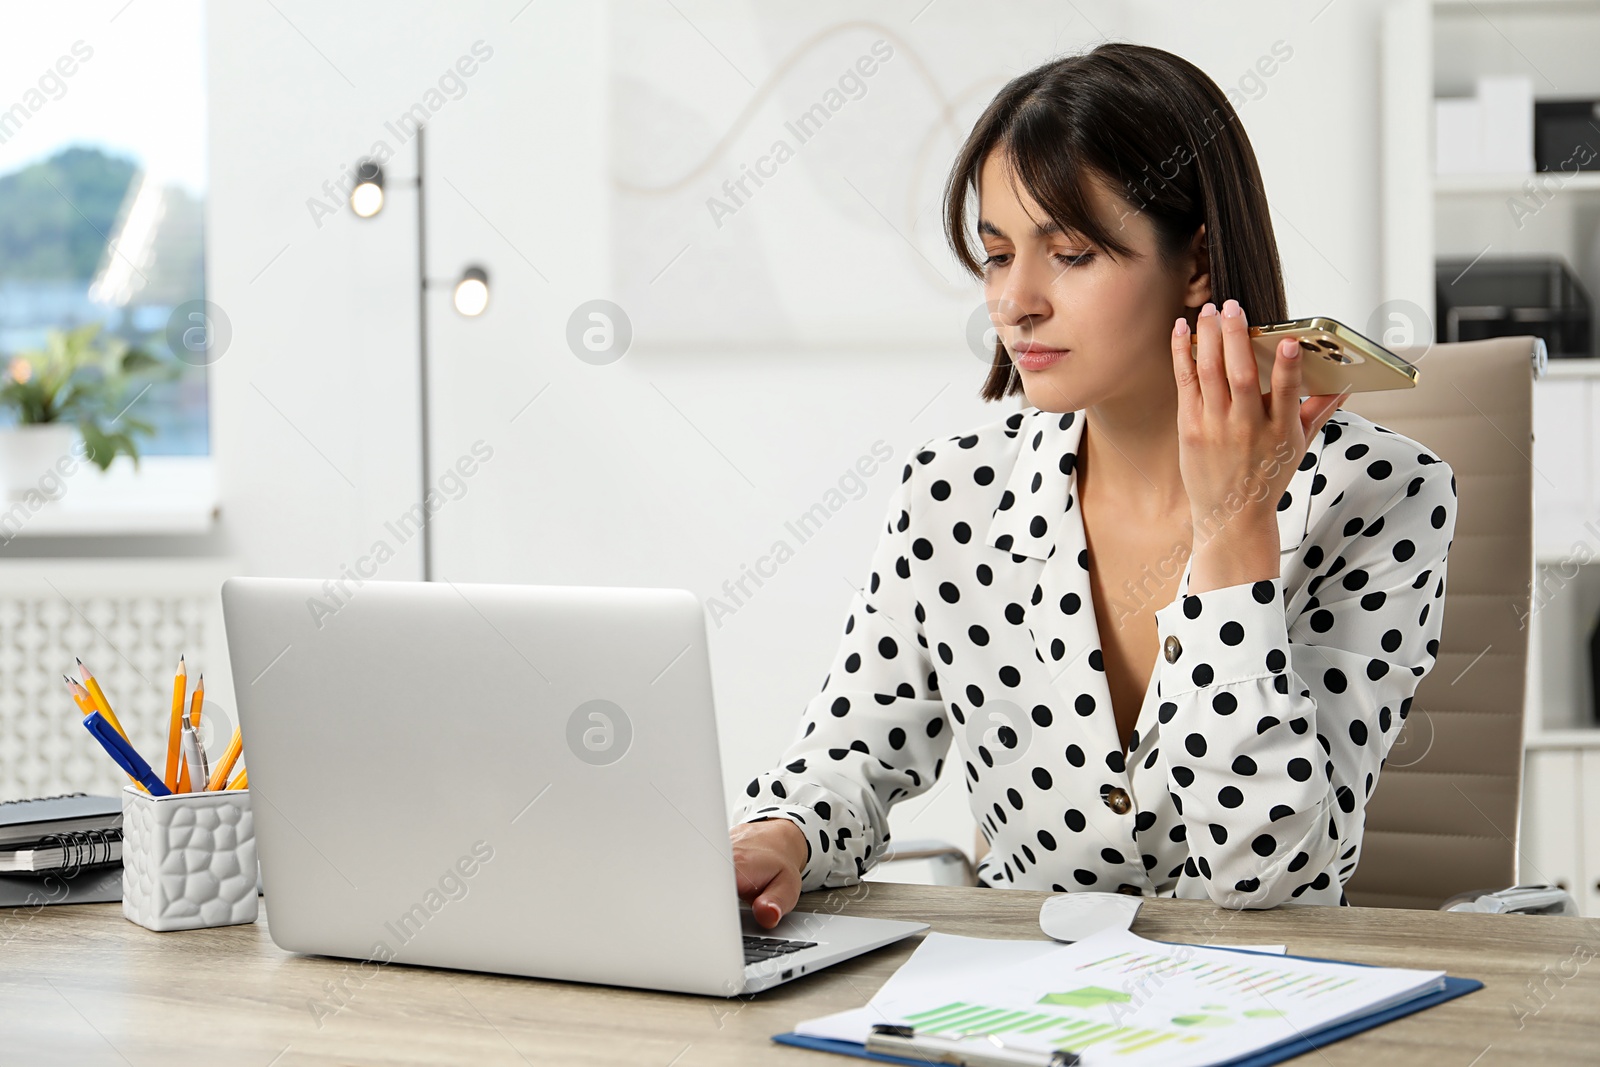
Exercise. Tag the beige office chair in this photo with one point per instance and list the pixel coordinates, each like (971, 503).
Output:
(1443, 818)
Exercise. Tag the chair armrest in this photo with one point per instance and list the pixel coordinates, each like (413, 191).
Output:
(933, 849)
(1518, 899)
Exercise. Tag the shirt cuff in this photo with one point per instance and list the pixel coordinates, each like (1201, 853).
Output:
(1233, 634)
(807, 820)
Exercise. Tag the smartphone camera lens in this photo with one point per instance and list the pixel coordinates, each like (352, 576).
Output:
(1332, 353)
(1308, 348)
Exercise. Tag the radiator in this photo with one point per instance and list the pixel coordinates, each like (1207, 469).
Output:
(129, 620)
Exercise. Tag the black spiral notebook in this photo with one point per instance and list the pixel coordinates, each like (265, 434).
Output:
(65, 851)
(79, 827)
(87, 885)
(22, 821)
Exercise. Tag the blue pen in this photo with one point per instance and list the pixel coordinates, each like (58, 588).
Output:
(124, 753)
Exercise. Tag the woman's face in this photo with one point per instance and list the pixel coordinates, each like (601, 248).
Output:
(1082, 328)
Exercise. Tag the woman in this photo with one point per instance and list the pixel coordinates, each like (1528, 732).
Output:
(1170, 624)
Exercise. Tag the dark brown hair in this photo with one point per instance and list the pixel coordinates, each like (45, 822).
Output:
(1162, 134)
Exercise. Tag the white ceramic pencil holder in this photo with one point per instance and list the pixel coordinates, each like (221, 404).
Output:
(188, 859)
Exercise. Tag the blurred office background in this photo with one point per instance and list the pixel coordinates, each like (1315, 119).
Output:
(691, 338)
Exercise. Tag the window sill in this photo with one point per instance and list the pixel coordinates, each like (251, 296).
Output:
(167, 495)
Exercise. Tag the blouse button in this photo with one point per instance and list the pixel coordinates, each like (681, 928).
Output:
(1116, 799)
(1173, 648)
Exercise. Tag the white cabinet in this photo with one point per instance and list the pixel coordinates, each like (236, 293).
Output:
(1552, 851)
(1560, 842)
(1563, 450)
(1561, 816)
(1588, 891)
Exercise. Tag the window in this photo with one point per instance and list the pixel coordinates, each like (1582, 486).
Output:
(102, 189)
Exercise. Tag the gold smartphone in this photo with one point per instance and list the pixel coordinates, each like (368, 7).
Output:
(1334, 358)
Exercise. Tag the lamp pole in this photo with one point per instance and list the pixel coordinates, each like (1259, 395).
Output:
(471, 298)
(422, 355)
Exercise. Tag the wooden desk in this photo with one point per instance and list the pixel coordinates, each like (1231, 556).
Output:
(80, 985)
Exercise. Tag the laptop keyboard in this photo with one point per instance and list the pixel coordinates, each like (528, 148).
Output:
(758, 948)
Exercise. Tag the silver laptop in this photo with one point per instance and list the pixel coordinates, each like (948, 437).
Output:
(509, 778)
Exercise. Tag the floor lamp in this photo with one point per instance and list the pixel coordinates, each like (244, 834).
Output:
(471, 296)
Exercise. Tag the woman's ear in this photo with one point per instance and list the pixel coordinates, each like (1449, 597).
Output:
(1197, 290)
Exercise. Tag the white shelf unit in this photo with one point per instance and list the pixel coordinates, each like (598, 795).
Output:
(1438, 48)
(1561, 369)
(1498, 185)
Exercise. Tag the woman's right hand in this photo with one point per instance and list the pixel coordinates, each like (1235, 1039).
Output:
(767, 859)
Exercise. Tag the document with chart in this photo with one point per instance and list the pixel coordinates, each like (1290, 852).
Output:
(1118, 998)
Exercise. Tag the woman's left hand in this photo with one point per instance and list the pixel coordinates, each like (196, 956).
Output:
(1238, 447)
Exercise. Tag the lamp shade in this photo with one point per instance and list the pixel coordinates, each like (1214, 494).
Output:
(472, 291)
(366, 198)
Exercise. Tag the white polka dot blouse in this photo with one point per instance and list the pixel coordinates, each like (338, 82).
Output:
(973, 650)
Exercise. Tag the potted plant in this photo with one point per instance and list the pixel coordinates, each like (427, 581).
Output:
(79, 385)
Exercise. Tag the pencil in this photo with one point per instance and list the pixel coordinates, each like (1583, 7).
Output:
(101, 705)
(241, 780)
(80, 697)
(180, 686)
(196, 701)
(219, 773)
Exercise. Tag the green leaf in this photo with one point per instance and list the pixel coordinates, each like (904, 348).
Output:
(101, 449)
(127, 444)
(137, 359)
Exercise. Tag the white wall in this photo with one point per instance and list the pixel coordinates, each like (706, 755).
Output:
(1314, 124)
(668, 467)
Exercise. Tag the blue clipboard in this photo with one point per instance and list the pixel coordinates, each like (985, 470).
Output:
(1453, 987)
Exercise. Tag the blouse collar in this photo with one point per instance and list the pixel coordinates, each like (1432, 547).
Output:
(1042, 487)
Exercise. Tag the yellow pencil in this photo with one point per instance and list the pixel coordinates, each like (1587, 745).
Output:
(180, 687)
(101, 704)
(197, 700)
(219, 774)
(184, 785)
(80, 697)
(241, 780)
